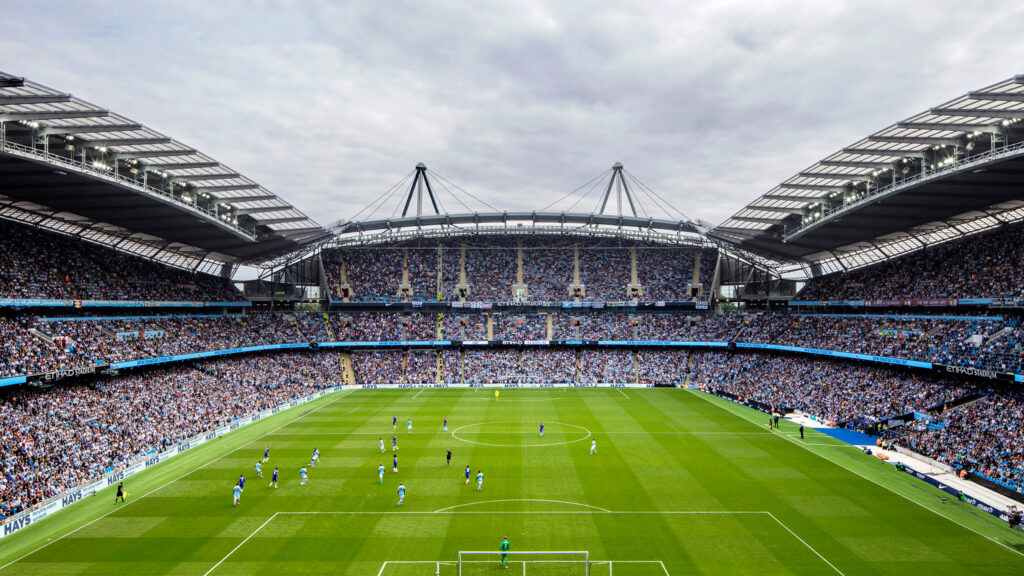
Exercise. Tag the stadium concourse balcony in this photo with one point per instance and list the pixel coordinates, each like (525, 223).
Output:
(989, 265)
(489, 265)
(38, 264)
(57, 438)
(988, 342)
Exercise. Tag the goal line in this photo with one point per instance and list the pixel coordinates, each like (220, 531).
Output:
(537, 563)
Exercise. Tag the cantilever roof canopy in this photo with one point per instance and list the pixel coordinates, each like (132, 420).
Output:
(957, 167)
(86, 166)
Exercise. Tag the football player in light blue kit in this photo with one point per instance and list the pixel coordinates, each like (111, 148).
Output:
(381, 445)
(479, 480)
(401, 493)
(238, 494)
(316, 457)
(302, 475)
(408, 426)
(259, 470)
(380, 473)
(593, 446)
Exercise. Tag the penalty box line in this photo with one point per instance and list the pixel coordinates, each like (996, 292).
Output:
(589, 511)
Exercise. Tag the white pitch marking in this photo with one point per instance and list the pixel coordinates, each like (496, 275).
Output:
(523, 500)
(809, 547)
(589, 434)
(176, 479)
(623, 393)
(239, 545)
(418, 393)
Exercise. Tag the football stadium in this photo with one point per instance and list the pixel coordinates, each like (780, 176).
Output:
(827, 382)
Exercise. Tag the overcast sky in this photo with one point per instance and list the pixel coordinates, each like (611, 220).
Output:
(328, 104)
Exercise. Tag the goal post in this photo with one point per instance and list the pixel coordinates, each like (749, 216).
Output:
(535, 563)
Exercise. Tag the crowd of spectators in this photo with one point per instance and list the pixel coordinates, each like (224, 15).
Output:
(606, 367)
(421, 367)
(605, 272)
(451, 365)
(498, 366)
(548, 366)
(989, 343)
(519, 326)
(989, 265)
(57, 438)
(378, 366)
(465, 326)
(664, 273)
(831, 391)
(593, 326)
(39, 345)
(662, 366)
(375, 273)
(39, 264)
(985, 437)
(491, 270)
(547, 269)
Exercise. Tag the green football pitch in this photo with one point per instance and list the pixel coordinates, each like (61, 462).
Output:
(682, 483)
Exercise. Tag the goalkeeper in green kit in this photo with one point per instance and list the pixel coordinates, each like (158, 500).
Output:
(504, 552)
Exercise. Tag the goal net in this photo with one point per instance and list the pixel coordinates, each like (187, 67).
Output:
(550, 563)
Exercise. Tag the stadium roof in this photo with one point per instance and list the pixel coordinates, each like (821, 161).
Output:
(952, 170)
(77, 168)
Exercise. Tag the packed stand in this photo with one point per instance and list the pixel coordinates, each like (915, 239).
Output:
(491, 366)
(519, 326)
(664, 272)
(985, 437)
(421, 367)
(314, 326)
(39, 264)
(831, 391)
(374, 274)
(465, 326)
(378, 366)
(593, 326)
(662, 366)
(606, 367)
(491, 270)
(548, 366)
(547, 270)
(605, 272)
(989, 265)
(451, 366)
(57, 438)
(987, 342)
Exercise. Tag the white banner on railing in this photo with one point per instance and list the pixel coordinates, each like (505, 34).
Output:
(79, 492)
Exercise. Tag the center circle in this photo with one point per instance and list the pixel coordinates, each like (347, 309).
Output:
(528, 433)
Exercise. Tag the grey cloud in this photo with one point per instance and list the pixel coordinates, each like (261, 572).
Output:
(329, 104)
